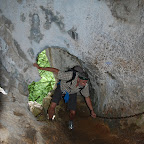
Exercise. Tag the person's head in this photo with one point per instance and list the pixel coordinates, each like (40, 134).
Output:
(81, 82)
(82, 79)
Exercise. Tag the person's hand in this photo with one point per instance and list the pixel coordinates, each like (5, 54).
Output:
(36, 65)
(93, 114)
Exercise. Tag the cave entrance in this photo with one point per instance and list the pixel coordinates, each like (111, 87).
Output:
(39, 90)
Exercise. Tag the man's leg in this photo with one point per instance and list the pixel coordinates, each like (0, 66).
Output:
(72, 115)
(72, 107)
(51, 110)
(54, 102)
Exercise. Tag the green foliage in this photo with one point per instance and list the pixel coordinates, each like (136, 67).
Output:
(38, 90)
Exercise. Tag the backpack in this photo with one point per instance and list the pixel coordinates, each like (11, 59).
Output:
(76, 69)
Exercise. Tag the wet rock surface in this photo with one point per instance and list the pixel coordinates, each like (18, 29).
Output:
(106, 36)
(88, 130)
(17, 125)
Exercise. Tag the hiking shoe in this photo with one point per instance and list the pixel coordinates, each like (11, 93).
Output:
(71, 125)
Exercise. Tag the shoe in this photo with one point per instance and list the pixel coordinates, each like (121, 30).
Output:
(71, 125)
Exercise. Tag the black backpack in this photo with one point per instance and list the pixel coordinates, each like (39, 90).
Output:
(75, 69)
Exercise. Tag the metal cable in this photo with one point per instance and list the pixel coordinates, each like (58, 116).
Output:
(122, 117)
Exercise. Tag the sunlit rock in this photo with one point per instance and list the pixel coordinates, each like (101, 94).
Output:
(35, 107)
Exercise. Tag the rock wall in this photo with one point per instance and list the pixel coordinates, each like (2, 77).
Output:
(105, 35)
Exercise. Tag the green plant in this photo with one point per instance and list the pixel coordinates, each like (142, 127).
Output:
(38, 90)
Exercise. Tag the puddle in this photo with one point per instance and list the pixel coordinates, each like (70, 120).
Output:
(88, 130)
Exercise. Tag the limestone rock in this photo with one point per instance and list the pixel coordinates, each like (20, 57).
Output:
(35, 107)
(105, 37)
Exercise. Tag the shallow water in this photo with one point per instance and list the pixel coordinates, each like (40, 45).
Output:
(88, 130)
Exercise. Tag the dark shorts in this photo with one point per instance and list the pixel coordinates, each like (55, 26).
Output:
(58, 95)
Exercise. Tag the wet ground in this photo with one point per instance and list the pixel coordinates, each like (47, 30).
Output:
(94, 131)
(89, 131)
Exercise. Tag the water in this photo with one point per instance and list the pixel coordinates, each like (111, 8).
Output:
(88, 130)
(93, 131)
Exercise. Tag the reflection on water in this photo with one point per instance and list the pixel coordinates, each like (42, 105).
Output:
(92, 131)
(89, 131)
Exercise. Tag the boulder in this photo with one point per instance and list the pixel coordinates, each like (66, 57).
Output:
(35, 108)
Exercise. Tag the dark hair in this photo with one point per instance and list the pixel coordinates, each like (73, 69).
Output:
(81, 73)
(83, 76)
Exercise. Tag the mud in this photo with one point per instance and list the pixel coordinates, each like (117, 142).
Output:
(88, 131)
(94, 131)
(30, 136)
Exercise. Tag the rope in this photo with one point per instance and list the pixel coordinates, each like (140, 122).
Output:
(123, 117)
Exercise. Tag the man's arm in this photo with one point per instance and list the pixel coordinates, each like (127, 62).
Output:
(54, 70)
(88, 101)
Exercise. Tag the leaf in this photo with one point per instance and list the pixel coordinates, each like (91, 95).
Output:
(38, 90)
